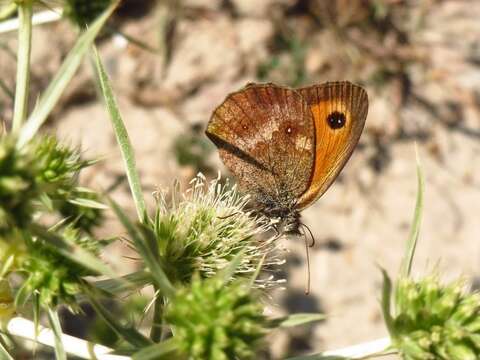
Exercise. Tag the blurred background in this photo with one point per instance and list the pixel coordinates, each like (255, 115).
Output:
(420, 64)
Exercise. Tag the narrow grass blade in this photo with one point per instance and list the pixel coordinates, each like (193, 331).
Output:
(25, 12)
(147, 252)
(227, 273)
(66, 72)
(4, 354)
(297, 319)
(129, 334)
(88, 203)
(7, 10)
(73, 251)
(122, 139)
(131, 282)
(257, 271)
(387, 301)
(36, 313)
(60, 353)
(7, 90)
(158, 351)
(411, 245)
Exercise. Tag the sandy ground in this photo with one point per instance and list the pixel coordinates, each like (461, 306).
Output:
(363, 221)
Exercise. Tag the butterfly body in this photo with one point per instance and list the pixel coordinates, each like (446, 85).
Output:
(286, 146)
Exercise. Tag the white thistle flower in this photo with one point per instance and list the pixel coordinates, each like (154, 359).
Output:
(206, 227)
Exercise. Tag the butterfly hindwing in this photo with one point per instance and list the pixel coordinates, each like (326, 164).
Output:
(330, 104)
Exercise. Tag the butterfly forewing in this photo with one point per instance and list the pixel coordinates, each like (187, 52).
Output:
(266, 136)
(329, 102)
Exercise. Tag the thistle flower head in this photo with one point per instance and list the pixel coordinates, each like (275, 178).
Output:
(207, 227)
(18, 185)
(213, 320)
(436, 321)
(58, 164)
(51, 275)
(41, 169)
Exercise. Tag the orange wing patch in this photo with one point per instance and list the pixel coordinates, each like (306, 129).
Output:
(339, 110)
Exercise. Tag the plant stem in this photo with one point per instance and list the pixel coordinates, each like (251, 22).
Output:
(156, 331)
(25, 12)
(79, 348)
(411, 245)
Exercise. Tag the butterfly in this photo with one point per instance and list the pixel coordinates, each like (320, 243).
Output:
(286, 146)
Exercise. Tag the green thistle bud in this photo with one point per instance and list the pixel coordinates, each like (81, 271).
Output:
(18, 186)
(212, 320)
(435, 321)
(53, 277)
(83, 12)
(57, 164)
(206, 228)
(42, 168)
(85, 216)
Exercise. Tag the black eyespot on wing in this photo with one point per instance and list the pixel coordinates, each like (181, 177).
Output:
(336, 120)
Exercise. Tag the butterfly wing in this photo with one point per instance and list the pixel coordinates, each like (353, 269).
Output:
(339, 110)
(265, 136)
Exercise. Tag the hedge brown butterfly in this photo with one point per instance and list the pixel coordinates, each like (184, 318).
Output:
(286, 146)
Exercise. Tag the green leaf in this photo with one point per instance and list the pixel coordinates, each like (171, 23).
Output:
(66, 72)
(4, 354)
(407, 261)
(25, 12)
(72, 251)
(122, 139)
(386, 302)
(57, 332)
(297, 319)
(88, 203)
(7, 10)
(144, 247)
(158, 351)
(257, 270)
(227, 273)
(131, 282)
(129, 334)
(22, 296)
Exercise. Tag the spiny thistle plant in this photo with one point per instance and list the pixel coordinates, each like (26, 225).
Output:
(435, 321)
(218, 321)
(54, 278)
(206, 227)
(206, 256)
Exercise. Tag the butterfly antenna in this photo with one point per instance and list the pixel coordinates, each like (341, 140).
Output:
(307, 285)
(312, 243)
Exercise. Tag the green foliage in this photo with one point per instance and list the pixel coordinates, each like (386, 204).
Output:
(435, 321)
(7, 308)
(51, 275)
(203, 230)
(19, 187)
(83, 207)
(212, 320)
(83, 12)
(42, 172)
(57, 163)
